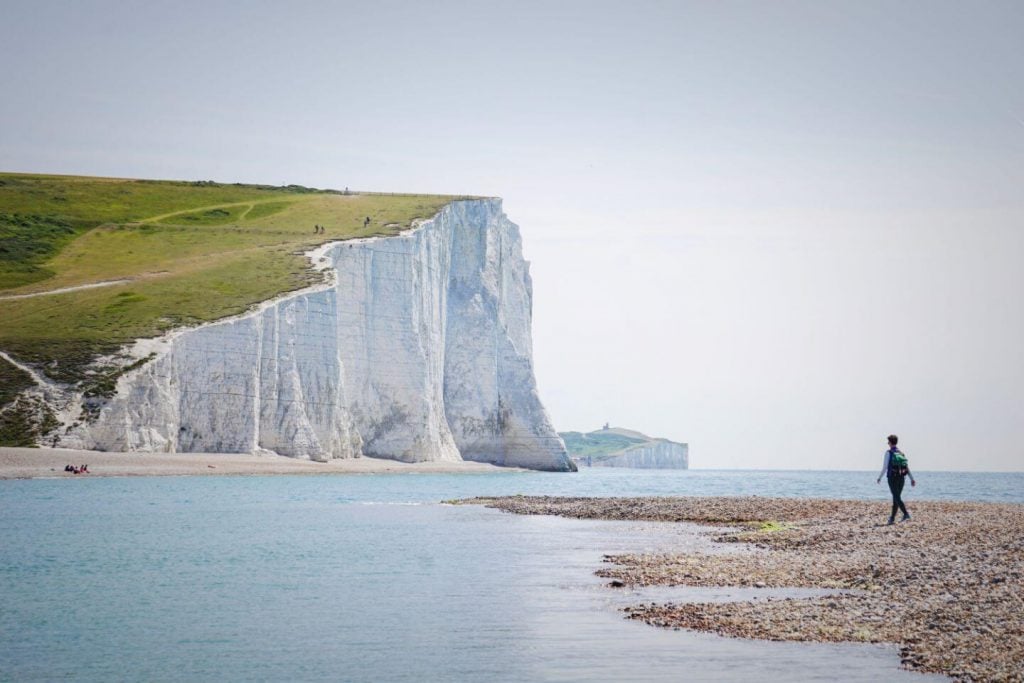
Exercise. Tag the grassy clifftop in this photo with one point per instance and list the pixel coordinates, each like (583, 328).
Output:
(181, 253)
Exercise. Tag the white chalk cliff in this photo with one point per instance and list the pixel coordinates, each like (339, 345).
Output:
(657, 454)
(417, 349)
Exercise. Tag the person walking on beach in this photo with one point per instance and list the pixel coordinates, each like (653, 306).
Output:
(896, 469)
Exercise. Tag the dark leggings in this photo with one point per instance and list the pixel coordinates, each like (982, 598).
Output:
(896, 486)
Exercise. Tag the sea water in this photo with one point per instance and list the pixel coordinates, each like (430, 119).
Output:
(369, 578)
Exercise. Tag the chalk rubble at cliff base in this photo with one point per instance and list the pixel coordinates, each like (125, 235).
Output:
(947, 586)
(418, 349)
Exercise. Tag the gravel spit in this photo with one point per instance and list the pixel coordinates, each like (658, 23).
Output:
(946, 586)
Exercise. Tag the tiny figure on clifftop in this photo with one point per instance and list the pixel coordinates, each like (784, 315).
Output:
(896, 469)
(366, 222)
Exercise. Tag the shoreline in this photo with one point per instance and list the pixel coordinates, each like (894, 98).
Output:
(947, 587)
(48, 463)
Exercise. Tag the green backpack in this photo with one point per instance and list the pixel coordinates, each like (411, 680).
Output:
(898, 464)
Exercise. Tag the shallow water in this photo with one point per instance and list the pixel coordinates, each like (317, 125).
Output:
(340, 578)
(431, 488)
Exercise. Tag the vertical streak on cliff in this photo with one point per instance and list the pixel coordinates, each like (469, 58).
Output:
(500, 326)
(259, 383)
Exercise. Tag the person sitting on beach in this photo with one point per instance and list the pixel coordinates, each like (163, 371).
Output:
(68, 468)
(896, 469)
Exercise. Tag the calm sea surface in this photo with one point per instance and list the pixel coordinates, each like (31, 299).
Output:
(368, 578)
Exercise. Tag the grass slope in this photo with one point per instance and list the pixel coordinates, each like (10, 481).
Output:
(190, 252)
(13, 381)
(26, 241)
(24, 420)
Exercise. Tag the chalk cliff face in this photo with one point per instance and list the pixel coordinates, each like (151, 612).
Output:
(653, 455)
(418, 349)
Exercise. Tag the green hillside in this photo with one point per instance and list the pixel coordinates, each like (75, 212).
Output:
(183, 253)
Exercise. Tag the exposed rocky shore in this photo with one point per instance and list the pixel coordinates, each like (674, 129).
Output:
(947, 586)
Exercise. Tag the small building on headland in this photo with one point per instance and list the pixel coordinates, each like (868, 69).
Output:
(617, 447)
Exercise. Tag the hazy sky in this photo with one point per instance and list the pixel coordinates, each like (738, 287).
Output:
(776, 230)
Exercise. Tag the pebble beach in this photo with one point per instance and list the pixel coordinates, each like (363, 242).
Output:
(49, 463)
(946, 586)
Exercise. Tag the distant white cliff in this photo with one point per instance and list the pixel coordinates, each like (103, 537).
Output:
(658, 454)
(617, 447)
(418, 348)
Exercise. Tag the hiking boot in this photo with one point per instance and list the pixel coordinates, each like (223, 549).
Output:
(906, 518)
(892, 520)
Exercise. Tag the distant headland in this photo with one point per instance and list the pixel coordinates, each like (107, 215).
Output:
(618, 447)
